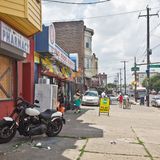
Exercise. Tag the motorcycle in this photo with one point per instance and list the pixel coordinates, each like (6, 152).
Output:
(29, 121)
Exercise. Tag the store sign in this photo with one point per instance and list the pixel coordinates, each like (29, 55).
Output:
(13, 38)
(51, 38)
(60, 56)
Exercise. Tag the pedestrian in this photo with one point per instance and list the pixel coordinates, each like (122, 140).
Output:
(120, 99)
(77, 101)
(103, 94)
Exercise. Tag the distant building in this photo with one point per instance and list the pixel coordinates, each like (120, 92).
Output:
(94, 65)
(99, 81)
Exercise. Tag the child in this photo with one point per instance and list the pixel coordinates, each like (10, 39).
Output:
(77, 102)
(60, 107)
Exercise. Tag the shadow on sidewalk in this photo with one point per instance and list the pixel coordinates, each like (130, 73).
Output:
(52, 147)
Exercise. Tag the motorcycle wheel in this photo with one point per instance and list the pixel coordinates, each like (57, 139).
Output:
(54, 128)
(6, 134)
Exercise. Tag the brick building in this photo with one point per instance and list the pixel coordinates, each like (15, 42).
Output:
(70, 36)
(75, 37)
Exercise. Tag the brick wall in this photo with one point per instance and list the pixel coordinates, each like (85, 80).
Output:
(70, 37)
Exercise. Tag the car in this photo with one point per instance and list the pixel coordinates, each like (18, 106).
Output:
(90, 98)
(113, 99)
(155, 101)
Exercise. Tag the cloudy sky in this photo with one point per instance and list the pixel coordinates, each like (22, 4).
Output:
(119, 34)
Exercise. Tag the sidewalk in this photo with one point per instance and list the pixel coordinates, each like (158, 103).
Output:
(127, 134)
(131, 134)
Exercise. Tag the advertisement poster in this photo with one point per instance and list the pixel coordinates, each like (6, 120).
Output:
(104, 105)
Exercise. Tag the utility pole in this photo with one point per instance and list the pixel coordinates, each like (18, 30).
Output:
(124, 76)
(135, 79)
(148, 50)
(120, 75)
(118, 86)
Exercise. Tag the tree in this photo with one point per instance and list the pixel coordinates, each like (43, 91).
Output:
(154, 83)
(111, 85)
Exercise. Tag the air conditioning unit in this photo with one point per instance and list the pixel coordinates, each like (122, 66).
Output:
(46, 94)
(43, 81)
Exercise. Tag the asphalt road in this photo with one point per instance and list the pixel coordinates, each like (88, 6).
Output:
(52, 148)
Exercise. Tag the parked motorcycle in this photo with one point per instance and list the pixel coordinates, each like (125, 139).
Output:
(29, 122)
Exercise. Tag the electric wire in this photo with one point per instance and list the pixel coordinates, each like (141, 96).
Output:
(76, 3)
(102, 16)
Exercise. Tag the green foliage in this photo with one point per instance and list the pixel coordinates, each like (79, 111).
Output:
(111, 85)
(154, 83)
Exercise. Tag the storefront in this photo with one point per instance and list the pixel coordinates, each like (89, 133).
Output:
(16, 51)
(14, 48)
(54, 63)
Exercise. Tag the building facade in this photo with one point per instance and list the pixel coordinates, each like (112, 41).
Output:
(75, 37)
(17, 26)
(94, 65)
(54, 66)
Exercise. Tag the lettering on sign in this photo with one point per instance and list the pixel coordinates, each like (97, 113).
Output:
(10, 36)
(60, 56)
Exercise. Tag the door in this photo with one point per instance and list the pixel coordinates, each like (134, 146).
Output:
(26, 82)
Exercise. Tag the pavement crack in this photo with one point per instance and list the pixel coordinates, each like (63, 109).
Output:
(72, 137)
(82, 150)
(120, 154)
(142, 144)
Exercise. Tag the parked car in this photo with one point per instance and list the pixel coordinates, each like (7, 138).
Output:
(90, 98)
(155, 101)
(113, 99)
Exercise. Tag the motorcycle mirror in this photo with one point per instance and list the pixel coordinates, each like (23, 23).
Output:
(36, 101)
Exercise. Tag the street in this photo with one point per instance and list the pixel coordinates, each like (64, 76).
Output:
(126, 134)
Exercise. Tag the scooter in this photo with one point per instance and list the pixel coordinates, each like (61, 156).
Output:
(29, 121)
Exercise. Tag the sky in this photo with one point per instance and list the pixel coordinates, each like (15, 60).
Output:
(119, 35)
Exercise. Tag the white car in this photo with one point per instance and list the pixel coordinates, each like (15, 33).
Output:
(113, 99)
(155, 101)
(90, 98)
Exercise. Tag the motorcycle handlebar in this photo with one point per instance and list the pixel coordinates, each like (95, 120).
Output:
(26, 102)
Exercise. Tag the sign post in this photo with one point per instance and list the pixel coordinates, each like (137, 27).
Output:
(154, 66)
(104, 106)
(135, 69)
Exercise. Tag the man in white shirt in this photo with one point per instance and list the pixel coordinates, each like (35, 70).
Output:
(103, 94)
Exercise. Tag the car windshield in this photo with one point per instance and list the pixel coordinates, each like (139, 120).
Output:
(91, 94)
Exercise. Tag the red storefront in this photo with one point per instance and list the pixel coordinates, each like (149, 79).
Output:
(16, 68)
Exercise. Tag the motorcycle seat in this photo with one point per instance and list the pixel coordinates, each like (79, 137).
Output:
(47, 113)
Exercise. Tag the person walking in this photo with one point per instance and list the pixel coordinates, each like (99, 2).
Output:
(103, 94)
(77, 101)
(120, 99)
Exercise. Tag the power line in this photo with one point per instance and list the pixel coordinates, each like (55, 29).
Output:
(102, 16)
(156, 46)
(87, 3)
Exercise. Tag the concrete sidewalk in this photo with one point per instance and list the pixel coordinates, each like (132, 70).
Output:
(127, 134)
(131, 134)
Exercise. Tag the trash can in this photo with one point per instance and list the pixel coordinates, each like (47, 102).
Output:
(141, 100)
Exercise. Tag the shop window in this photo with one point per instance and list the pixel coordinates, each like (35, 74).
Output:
(6, 78)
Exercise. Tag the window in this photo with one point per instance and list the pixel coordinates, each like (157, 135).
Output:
(88, 42)
(87, 45)
(6, 78)
(88, 63)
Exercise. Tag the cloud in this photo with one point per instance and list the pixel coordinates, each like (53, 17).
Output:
(116, 38)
